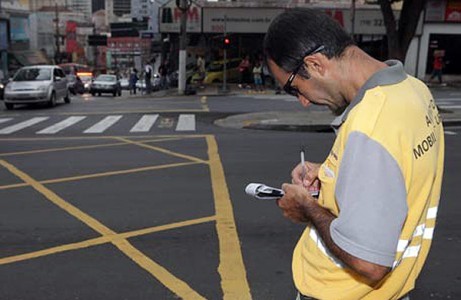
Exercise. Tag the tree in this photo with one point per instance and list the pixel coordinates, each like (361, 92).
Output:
(399, 35)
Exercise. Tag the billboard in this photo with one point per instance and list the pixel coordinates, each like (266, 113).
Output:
(19, 29)
(170, 18)
(71, 37)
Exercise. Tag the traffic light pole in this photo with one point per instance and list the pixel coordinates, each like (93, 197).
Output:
(184, 7)
(224, 82)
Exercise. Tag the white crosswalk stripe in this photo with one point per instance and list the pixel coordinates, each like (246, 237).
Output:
(3, 120)
(104, 124)
(447, 132)
(145, 123)
(186, 123)
(61, 125)
(22, 125)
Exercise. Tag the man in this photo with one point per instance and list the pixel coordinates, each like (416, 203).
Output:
(369, 232)
(148, 70)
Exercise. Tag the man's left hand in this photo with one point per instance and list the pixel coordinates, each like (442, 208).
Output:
(295, 202)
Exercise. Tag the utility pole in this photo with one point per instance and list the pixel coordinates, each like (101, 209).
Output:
(57, 36)
(184, 7)
(353, 19)
(224, 85)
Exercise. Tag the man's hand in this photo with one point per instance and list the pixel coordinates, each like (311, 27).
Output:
(295, 203)
(311, 172)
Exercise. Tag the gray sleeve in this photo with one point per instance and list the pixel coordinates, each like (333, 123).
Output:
(371, 195)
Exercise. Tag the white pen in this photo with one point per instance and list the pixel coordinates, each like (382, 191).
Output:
(303, 164)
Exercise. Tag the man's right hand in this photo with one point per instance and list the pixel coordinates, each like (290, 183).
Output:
(311, 172)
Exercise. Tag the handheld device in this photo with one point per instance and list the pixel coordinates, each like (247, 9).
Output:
(263, 192)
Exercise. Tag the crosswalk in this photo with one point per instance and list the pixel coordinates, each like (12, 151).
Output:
(144, 124)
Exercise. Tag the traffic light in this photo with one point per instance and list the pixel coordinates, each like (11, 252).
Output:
(226, 42)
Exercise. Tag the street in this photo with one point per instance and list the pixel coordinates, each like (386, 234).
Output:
(143, 198)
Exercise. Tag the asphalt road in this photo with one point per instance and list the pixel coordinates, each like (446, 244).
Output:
(161, 213)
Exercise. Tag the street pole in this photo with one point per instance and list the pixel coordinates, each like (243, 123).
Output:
(58, 47)
(353, 19)
(224, 85)
(184, 7)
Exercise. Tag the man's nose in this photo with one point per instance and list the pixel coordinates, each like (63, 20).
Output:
(303, 100)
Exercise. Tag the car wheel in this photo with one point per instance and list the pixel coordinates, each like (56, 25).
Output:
(114, 94)
(99, 94)
(52, 101)
(67, 98)
(9, 106)
(120, 93)
(93, 94)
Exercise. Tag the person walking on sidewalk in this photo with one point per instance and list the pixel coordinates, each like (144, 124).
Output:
(148, 70)
(368, 234)
(257, 76)
(133, 80)
(437, 66)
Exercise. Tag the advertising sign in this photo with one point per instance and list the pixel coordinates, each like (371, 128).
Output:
(238, 20)
(19, 29)
(453, 11)
(170, 18)
(71, 37)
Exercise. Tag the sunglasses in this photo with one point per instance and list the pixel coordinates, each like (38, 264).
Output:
(287, 87)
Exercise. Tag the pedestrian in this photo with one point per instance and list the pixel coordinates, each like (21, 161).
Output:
(368, 234)
(201, 69)
(163, 71)
(257, 76)
(148, 70)
(133, 80)
(437, 66)
(244, 69)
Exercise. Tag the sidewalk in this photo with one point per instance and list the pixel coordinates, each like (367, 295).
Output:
(299, 120)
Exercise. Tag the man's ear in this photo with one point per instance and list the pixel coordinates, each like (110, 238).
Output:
(316, 64)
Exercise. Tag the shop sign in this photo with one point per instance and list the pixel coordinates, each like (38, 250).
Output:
(170, 18)
(453, 11)
(71, 37)
(238, 20)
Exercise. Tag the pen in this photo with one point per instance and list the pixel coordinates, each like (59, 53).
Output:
(304, 171)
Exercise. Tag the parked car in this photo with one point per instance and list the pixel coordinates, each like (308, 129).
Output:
(125, 84)
(215, 72)
(173, 78)
(106, 84)
(37, 84)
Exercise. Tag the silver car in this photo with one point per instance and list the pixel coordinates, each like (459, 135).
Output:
(37, 84)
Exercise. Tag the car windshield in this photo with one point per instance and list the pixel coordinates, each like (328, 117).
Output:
(33, 74)
(107, 78)
(85, 78)
(215, 67)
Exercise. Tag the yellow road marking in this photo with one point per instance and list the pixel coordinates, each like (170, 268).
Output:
(80, 147)
(103, 174)
(172, 153)
(100, 137)
(231, 267)
(102, 240)
(173, 283)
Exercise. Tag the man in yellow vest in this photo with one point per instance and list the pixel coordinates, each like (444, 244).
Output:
(369, 232)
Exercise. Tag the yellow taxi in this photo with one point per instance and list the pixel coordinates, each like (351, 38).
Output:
(215, 72)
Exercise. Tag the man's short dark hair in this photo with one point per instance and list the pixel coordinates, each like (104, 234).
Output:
(297, 31)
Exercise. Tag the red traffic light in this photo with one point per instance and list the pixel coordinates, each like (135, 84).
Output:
(226, 41)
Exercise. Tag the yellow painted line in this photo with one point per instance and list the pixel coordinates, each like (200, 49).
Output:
(173, 283)
(231, 267)
(102, 174)
(99, 137)
(165, 151)
(102, 240)
(81, 147)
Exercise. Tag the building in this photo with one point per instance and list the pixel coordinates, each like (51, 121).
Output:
(121, 7)
(82, 6)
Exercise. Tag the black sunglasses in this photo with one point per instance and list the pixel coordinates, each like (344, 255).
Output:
(287, 87)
